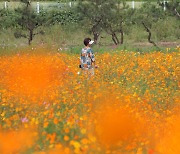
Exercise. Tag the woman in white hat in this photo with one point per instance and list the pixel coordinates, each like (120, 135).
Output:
(87, 58)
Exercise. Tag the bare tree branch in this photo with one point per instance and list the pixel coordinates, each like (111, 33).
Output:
(149, 36)
(176, 12)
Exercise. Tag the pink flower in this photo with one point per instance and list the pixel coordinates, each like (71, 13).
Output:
(23, 120)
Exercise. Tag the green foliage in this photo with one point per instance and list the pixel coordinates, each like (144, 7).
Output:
(92, 13)
(172, 7)
(103, 19)
(64, 17)
(149, 14)
(28, 20)
(116, 19)
(7, 19)
(109, 15)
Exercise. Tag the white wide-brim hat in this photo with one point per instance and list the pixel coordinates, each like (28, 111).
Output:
(91, 42)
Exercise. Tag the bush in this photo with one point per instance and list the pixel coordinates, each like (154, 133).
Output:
(167, 29)
(137, 34)
(7, 18)
(63, 17)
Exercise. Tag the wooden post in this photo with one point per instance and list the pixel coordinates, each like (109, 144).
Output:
(5, 5)
(70, 4)
(164, 5)
(38, 7)
(133, 4)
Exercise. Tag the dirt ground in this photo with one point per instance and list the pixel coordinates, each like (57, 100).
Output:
(160, 44)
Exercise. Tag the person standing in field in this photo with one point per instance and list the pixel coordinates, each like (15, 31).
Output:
(87, 58)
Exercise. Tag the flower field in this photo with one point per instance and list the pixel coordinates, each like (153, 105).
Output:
(131, 105)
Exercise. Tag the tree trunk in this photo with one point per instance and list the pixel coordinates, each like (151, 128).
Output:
(96, 36)
(121, 33)
(94, 31)
(110, 31)
(149, 35)
(30, 36)
(176, 13)
(114, 38)
(117, 40)
(122, 36)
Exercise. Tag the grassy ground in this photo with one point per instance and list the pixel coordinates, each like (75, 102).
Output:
(71, 39)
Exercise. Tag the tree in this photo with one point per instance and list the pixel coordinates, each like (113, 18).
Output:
(105, 15)
(146, 16)
(109, 20)
(63, 17)
(28, 21)
(172, 6)
(116, 19)
(1, 17)
(7, 18)
(92, 12)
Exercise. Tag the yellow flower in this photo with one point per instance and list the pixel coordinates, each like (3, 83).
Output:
(83, 131)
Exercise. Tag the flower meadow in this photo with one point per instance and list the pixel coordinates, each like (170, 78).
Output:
(130, 105)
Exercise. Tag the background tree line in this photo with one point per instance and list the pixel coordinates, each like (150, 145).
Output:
(113, 17)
